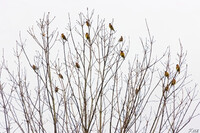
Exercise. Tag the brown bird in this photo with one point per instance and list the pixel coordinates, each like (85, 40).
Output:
(56, 89)
(121, 39)
(87, 36)
(34, 67)
(173, 82)
(167, 88)
(136, 91)
(77, 65)
(166, 74)
(122, 54)
(178, 68)
(111, 27)
(60, 76)
(87, 23)
(63, 37)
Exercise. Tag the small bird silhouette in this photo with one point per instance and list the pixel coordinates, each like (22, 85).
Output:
(56, 89)
(137, 90)
(77, 65)
(87, 36)
(167, 88)
(166, 74)
(173, 82)
(178, 68)
(111, 27)
(121, 39)
(63, 37)
(122, 54)
(87, 23)
(60, 76)
(34, 67)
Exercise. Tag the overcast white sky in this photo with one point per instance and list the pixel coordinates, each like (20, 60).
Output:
(169, 21)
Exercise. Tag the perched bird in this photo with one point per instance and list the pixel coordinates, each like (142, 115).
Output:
(166, 74)
(167, 88)
(34, 67)
(121, 39)
(122, 54)
(87, 36)
(63, 37)
(173, 82)
(77, 65)
(56, 89)
(178, 68)
(136, 91)
(111, 27)
(60, 76)
(87, 23)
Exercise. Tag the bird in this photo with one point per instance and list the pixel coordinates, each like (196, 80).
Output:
(178, 68)
(87, 23)
(137, 90)
(173, 82)
(63, 37)
(122, 54)
(166, 74)
(111, 27)
(87, 36)
(167, 88)
(56, 89)
(77, 65)
(121, 39)
(34, 67)
(60, 76)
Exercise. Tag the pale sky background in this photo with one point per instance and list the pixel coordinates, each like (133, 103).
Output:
(169, 21)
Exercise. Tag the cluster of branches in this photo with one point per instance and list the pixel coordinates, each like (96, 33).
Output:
(81, 88)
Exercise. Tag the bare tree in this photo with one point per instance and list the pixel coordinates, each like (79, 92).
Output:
(75, 83)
